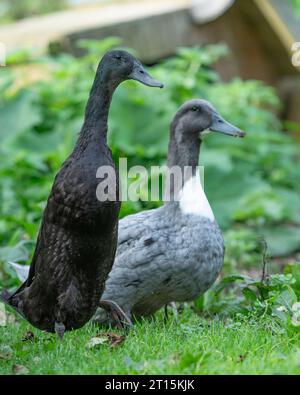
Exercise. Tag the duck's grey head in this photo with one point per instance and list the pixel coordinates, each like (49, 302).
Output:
(198, 117)
(118, 66)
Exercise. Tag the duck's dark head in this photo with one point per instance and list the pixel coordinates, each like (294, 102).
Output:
(118, 66)
(198, 117)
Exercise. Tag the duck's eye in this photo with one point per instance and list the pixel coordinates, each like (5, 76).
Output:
(194, 109)
(118, 57)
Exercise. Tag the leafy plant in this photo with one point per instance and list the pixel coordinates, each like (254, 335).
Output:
(276, 295)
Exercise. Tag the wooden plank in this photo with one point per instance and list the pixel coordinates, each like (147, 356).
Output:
(38, 32)
(156, 28)
(274, 12)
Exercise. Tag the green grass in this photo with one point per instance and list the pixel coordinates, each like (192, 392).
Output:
(190, 345)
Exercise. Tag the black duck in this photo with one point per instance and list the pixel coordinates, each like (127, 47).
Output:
(78, 236)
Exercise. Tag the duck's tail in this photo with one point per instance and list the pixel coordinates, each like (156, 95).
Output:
(22, 273)
(7, 299)
(11, 299)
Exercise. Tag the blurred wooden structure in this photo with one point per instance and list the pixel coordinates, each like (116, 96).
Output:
(259, 33)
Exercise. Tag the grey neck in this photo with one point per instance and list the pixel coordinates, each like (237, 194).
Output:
(183, 152)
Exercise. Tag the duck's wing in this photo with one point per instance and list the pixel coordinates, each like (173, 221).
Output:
(61, 202)
(142, 246)
(140, 236)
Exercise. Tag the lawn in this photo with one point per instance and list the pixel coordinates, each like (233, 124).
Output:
(189, 345)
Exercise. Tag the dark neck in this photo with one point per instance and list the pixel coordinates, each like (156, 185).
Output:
(183, 154)
(97, 109)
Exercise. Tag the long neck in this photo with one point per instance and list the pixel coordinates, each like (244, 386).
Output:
(184, 154)
(188, 193)
(183, 158)
(97, 109)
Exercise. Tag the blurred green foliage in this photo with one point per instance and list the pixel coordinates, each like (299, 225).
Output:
(11, 10)
(296, 5)
(253, 184)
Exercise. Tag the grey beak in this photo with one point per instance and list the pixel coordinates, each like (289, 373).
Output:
(220, 125)
(140, 74)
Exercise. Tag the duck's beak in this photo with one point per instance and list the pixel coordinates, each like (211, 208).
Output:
(140, 74)
(220, 125)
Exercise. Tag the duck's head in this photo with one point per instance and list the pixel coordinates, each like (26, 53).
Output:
(118, 66)
(198, 118)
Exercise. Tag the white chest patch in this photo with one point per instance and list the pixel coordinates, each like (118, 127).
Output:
(193, 200)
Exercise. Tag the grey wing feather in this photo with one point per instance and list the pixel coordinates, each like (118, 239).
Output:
(132, 226)
(141, 243)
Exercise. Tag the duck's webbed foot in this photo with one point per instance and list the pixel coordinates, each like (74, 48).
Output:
(119, 317)
(59, 329)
